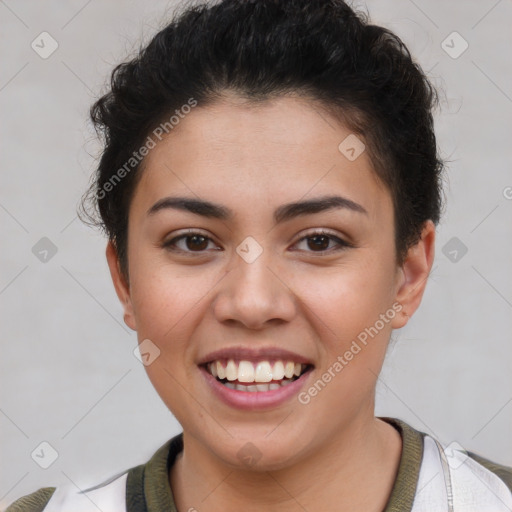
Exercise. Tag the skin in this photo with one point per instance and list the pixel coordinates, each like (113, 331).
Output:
(252, 159)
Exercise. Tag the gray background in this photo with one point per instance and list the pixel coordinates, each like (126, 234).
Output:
(68, 373)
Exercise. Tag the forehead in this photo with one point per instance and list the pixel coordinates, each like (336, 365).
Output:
(253, 155)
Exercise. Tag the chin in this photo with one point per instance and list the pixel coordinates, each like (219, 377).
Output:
(256, 451)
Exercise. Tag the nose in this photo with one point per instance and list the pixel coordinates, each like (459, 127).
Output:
(254, 294)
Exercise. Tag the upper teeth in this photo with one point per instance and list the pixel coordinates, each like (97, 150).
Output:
(263, 371)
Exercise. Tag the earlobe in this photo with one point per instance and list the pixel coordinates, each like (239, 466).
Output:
(414, 275)
(121, 286)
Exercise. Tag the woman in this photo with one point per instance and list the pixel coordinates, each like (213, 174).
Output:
(270, 186)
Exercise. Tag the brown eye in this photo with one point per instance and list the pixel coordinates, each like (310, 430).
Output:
(196, 242)
(318, 242)
(322, 243)
(190, 243)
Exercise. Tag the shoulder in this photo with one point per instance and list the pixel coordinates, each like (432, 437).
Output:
(107, 497)
(131, 490)
(474, 482)
(504, 473)
(447, 476)
(35, 502)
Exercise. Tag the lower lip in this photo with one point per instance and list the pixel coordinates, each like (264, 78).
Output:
(254, 400)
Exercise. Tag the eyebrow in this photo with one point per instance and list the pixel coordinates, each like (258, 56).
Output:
(284, 213)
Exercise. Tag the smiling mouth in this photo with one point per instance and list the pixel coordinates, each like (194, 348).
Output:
(257, 376)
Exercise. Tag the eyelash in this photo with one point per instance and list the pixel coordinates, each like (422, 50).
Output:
(342, 244)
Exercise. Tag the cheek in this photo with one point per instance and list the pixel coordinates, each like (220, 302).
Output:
(347, 299)
(165, 307)
(162, 293)
(170, 303)
(164, 303)
(351, 311)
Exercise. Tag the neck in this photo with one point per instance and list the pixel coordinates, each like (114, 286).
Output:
(337, 475)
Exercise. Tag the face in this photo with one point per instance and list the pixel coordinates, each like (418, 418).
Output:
(258, 251)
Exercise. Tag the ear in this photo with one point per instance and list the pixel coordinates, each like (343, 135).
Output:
(121, 285)
(414, 274)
